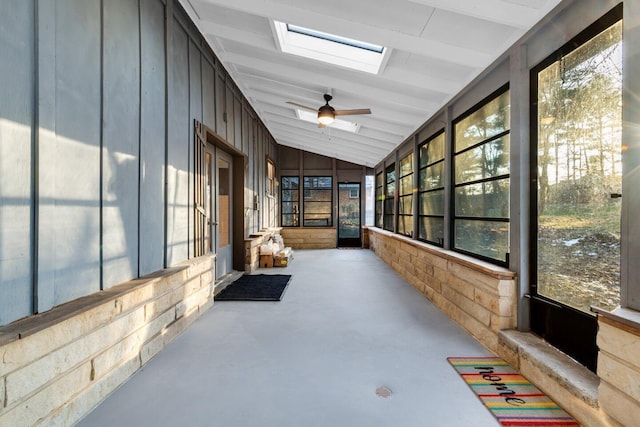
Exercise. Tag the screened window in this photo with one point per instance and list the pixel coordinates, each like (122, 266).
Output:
(405, 196)
(379, 198)
(202, 192)
(579, 173)
(369, 200)
(290, 201)
(390, 197)
(271, 178)
(318, 201)
(431, 190)
(481, 180)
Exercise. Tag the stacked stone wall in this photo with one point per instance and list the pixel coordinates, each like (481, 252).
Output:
(57, 366)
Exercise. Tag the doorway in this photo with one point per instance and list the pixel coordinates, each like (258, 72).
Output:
(349, 230)
(575, 205)
(222, 229)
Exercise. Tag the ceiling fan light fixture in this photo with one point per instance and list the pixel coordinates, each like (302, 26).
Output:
(325, 116)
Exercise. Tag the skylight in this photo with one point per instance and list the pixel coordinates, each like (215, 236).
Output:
(335, 39)
(330, 48)
(312, 117)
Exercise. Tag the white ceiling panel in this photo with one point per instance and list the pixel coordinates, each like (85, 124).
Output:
(434, 48)
(408, 19)
(467, 31)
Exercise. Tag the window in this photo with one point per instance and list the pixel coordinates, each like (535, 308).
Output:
(390, 198)
(203, 181)
(290, 201)
(576, 171)
(369, 198)
(481, 180)
(330, 48)
(431, 190)
(318, 201)
(336, 39)
(379, 198)
(579, 172)
(405, 196)
(271, 178)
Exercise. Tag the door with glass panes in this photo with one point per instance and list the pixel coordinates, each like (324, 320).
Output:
(577, 181)
(349, 234)
(223, 224)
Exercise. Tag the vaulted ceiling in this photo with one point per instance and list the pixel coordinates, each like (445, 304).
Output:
(433, 49)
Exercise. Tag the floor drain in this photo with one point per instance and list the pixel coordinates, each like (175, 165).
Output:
(383, 392)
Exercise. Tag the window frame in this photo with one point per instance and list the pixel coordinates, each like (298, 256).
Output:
(422, 190)
(308, 201)
(204, 159)
(295, 215)
(389, 204)
(455, 218)
(379, 197)
(271, 178)
(329, 48)
(404, 196)
(335, 38)
(567, 328)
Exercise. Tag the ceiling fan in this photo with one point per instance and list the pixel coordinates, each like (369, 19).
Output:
(327, 114)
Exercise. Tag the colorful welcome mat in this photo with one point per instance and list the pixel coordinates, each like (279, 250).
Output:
(512, 399)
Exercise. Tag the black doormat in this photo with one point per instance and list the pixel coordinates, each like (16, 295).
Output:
(256, 287)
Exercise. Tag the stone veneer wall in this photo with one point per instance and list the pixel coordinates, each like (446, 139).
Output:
(57, 366)
(310, 237)
(479, 296)
(571, 385)
(619, 368)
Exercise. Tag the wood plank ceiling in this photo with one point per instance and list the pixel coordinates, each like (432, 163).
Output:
(434, 48)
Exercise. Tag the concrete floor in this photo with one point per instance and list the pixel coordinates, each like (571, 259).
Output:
(347, 325)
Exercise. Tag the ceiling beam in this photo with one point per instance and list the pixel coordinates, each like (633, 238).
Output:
(389, 141)
(498, 11)
(301, 75)
(356, 157)
(382, 119)
(305, 129)
(254, 41)
(360, 31)
(338, 149)
(237, 34)
(327, 134)
(328, 142)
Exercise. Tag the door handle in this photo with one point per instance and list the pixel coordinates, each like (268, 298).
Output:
(537, 298)
(615, 195)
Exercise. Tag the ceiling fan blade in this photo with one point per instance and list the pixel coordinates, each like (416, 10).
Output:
(352, 112)
(303, 106)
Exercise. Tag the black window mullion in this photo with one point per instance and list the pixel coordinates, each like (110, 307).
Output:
(425, 227)
(481, 181)
(315, 190)
(487, 240)
(290, 196)
(484, 141)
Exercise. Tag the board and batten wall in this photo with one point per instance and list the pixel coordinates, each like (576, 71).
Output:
(97, 118)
